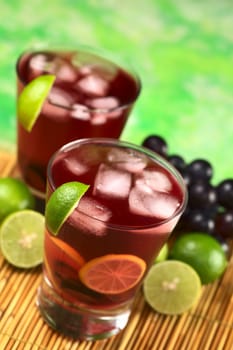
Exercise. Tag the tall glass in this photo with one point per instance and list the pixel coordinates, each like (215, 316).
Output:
(95, 265)
(92, 97)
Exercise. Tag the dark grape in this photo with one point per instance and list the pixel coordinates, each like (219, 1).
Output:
(199, 220)
(224, 223)
(225, 193)
(200, 169)
(157, 144)
(177, 161)
(186, 177)
(210, 208)
(202, 195)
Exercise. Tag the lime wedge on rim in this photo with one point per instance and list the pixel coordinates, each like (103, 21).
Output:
(61, 204)
(32, 98)
(22, 238)
(172, 287)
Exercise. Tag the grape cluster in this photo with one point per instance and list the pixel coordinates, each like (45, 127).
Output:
(210, 208)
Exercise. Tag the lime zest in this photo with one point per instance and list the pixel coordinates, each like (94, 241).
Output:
(32, 99)
(62, 203)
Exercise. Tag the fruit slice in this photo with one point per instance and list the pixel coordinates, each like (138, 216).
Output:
(32, 98)
(113, 273)
(172, 287)
(22, 237)
(61, 261)
(63, 249)
(61, 204)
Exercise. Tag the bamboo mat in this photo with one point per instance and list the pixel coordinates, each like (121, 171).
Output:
(207, 326)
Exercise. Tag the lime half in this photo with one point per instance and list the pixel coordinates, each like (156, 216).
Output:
(32, 98)
(22, 237)
(62, 203)
(172, 287)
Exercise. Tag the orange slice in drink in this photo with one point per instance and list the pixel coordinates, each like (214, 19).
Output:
(113, 273)
(63, 250)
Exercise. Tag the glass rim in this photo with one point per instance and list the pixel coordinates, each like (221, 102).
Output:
(125, 144)
(101, 53)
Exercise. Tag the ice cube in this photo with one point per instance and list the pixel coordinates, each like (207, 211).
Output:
(92, 85)
(40, 62)
(109, 105)
(80, 111)
(128, 160)
(91, 217)
(98, 118)
(154, 179)
(153, 204)
(75, 166)
(64, 71)
(104, 103)
(60, 97)
(58, 104)
(94, 209)
(112, 183)
(49, 63)
(96, 65)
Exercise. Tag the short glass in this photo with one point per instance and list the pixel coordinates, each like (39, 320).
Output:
(91, 97)
(95, 265)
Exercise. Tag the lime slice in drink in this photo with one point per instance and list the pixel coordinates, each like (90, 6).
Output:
(22, 237)
(172, 287)
(32, 98)
(62, 203)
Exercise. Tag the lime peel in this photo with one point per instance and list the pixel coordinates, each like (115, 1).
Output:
(62, 203)
(32, 98)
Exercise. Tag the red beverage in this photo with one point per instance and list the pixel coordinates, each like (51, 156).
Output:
(133, 203)
(91, 97)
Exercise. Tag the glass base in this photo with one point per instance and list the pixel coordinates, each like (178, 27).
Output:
(79, 323)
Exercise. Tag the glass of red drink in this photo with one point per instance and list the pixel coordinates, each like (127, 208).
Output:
(95, 265)
(92, 97)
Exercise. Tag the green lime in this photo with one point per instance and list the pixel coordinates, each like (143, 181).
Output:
(32, 98)
(172, 287)
(14, 196)
(61, 204)
(203, 252)
(22, 237)
(163, 254)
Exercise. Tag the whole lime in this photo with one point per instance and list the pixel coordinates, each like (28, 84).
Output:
(201, 251)
(14, 196)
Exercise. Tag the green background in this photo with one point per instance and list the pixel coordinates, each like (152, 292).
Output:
(182, 50)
